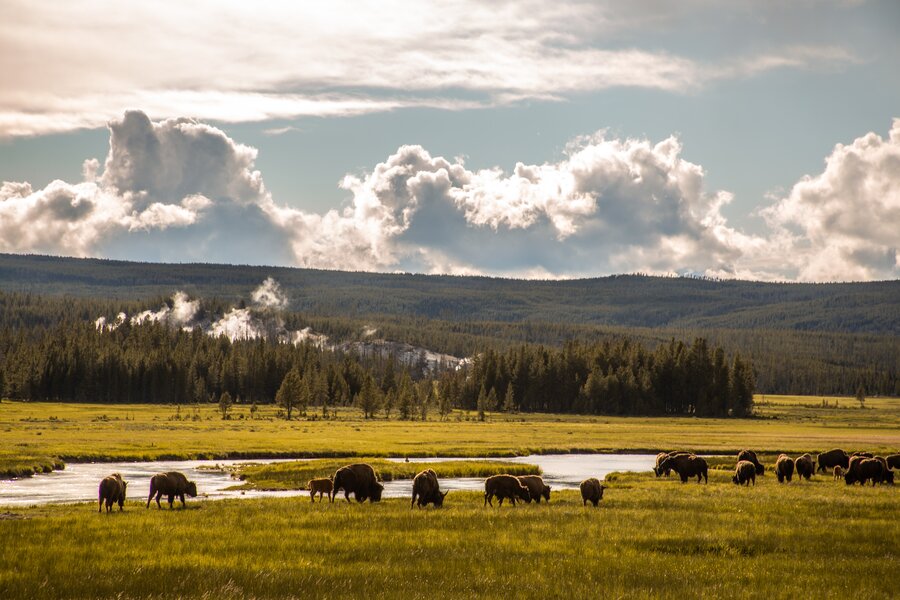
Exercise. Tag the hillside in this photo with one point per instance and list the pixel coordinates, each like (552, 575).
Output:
(625, 300)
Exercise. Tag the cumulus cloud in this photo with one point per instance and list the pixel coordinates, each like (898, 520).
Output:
(844, 223)
(182, 190)
(298, 59)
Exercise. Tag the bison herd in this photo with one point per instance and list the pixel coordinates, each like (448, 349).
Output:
(362, 481)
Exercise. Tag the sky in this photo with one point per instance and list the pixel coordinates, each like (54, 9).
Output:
(745, 139)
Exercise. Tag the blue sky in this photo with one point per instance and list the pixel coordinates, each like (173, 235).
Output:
(652, 137)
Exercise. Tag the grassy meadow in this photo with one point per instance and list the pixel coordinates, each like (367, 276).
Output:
(650, 538)
(34, 436)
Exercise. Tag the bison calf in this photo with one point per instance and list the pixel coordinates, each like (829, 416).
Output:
(744, 473)
(112, 490)
(838, 473)
(591, 491)
(321, 486)
(502, 487)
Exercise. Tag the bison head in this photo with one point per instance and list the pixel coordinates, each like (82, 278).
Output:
(191, 489)
(375, 495)
(546, 493)
(523, 493)
(760, 469)
(439, 498)
(736, 479)
(664, 466)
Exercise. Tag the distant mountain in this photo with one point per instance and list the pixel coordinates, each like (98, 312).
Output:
(623, 300)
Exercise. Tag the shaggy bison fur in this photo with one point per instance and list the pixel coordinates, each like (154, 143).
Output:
(171, 484)
(663, 456)
(358, 479)
(687, 466)
(536, 487)
(865, 470)
(784, 468)
(893, 461)
(750, 456)
(744, 473)
(831, 459)
(504, 486)
(321, 486)
(591, 491)
(804, 466)
(426, 489)
(112, 490)
(887, 474)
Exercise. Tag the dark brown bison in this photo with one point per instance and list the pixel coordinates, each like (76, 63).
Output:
(171, 484)
(893, 461)
(662, 456)
(591, 491)
(687, 466)
(426, 489)
(804, 466)
(870, 468)
(888, 475)
(831, 459)
(536, 487)
(504, 486)
(852, 473)
(360, 480)
(750, 456)
(784, 468)
(863, 454)
(112, 490)
(321, 486)
(744, 473)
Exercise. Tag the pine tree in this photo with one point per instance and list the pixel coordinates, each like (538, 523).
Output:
(509, 400)
(290, 393)
(225, 404)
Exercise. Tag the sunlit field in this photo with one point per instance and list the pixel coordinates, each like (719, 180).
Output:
(39, 434)
(649, 538)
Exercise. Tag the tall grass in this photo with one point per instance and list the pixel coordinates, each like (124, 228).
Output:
(650, 538)
(295, 475)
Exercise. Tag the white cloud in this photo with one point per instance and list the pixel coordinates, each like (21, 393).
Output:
(82, 64)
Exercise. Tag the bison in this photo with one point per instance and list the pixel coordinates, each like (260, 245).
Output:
(852, 473)
(804, 466)
(321, 486)
(687, 466)
(888, 475)
(504, 486)
(358, 479)
(591, 491)
(870, 468)
(744, 473)
(784, 468)
(426, 489)
(112, 490)
(662, 456)
(171, 484)
(838, 472)
(536, 487)
(863, 454)
(831, 459)
(893, 461)
(750, 456)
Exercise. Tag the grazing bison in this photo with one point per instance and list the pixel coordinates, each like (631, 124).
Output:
(112, 490)
(852, 474)
(869, 468)
(863, 454)
(750, 456)
(832, 458)
(784, 468)
(171, 484)
(744, 473)
(687, 465)
(360, 480)
(426, 489)
(804, 466)
(838, 472)
(536, 487)
(504, 486)
(591, 491)
(893, 461)
(888, 475)
(321, 486)
(662, 456)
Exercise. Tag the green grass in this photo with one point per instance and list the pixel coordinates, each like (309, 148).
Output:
(296, 474)
(650, 538)
(39, 433)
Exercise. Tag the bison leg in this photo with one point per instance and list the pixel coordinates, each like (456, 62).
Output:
(171, 501)
(413, 501)
(101, 505)
(182, 501)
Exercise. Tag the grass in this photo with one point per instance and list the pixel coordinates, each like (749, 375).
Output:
(40, 433)
(296, 474)
(650, 538)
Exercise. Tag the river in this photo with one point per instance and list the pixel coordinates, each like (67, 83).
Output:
(78, 481)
